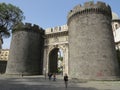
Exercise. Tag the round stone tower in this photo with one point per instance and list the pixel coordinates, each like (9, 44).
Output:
(26, 50)
(92, 52)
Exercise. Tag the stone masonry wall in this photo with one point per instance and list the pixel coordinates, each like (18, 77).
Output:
(91, 45)
(26, 51)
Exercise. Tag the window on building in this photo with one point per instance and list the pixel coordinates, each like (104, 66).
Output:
(6, 53)
(59, 28)
(51, 29)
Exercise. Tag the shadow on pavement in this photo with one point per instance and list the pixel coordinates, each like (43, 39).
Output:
(37, 84)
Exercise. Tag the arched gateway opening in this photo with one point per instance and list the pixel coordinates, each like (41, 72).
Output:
(56, 61)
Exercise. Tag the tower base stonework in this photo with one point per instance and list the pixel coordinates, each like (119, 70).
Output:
(26, 50)
(92, 52)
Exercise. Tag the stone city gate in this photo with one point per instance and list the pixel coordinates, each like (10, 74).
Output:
(56, 39)
(91, 52)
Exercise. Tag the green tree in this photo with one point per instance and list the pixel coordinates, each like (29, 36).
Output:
(60, 58)
(10, 15)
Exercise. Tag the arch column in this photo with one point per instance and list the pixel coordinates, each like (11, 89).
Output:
(65, 59)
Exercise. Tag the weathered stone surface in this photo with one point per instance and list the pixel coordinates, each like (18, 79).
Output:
(91, 45)
(88, 40)
(56, 38)
(26, 52)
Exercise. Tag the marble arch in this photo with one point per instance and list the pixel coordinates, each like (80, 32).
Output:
(56, 37)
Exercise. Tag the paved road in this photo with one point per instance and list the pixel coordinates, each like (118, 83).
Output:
(39, 83)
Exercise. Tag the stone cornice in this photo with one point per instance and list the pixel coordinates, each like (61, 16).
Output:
(64, 33)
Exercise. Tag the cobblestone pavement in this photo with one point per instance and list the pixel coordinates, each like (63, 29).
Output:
(40, 83)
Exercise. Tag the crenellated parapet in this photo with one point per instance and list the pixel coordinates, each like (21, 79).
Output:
(90, 7)
(28, 27)
(57, 29)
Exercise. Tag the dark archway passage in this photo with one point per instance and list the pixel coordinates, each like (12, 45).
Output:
(3, 65)
(56, 61)
(53, 60)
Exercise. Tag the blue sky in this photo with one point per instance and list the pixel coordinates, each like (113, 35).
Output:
(50, 13)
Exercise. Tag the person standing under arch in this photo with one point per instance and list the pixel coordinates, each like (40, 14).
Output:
(66, 80)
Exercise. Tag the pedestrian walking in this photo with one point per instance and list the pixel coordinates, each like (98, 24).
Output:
(22, 74)
(54, 77)
(66, 80)
(50, 75)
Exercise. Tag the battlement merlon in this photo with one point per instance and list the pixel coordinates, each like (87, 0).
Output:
(56, 29)
(89, 7)
(28, 27)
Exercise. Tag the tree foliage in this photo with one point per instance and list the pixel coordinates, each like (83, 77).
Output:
(60, 58)
(10, 15)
